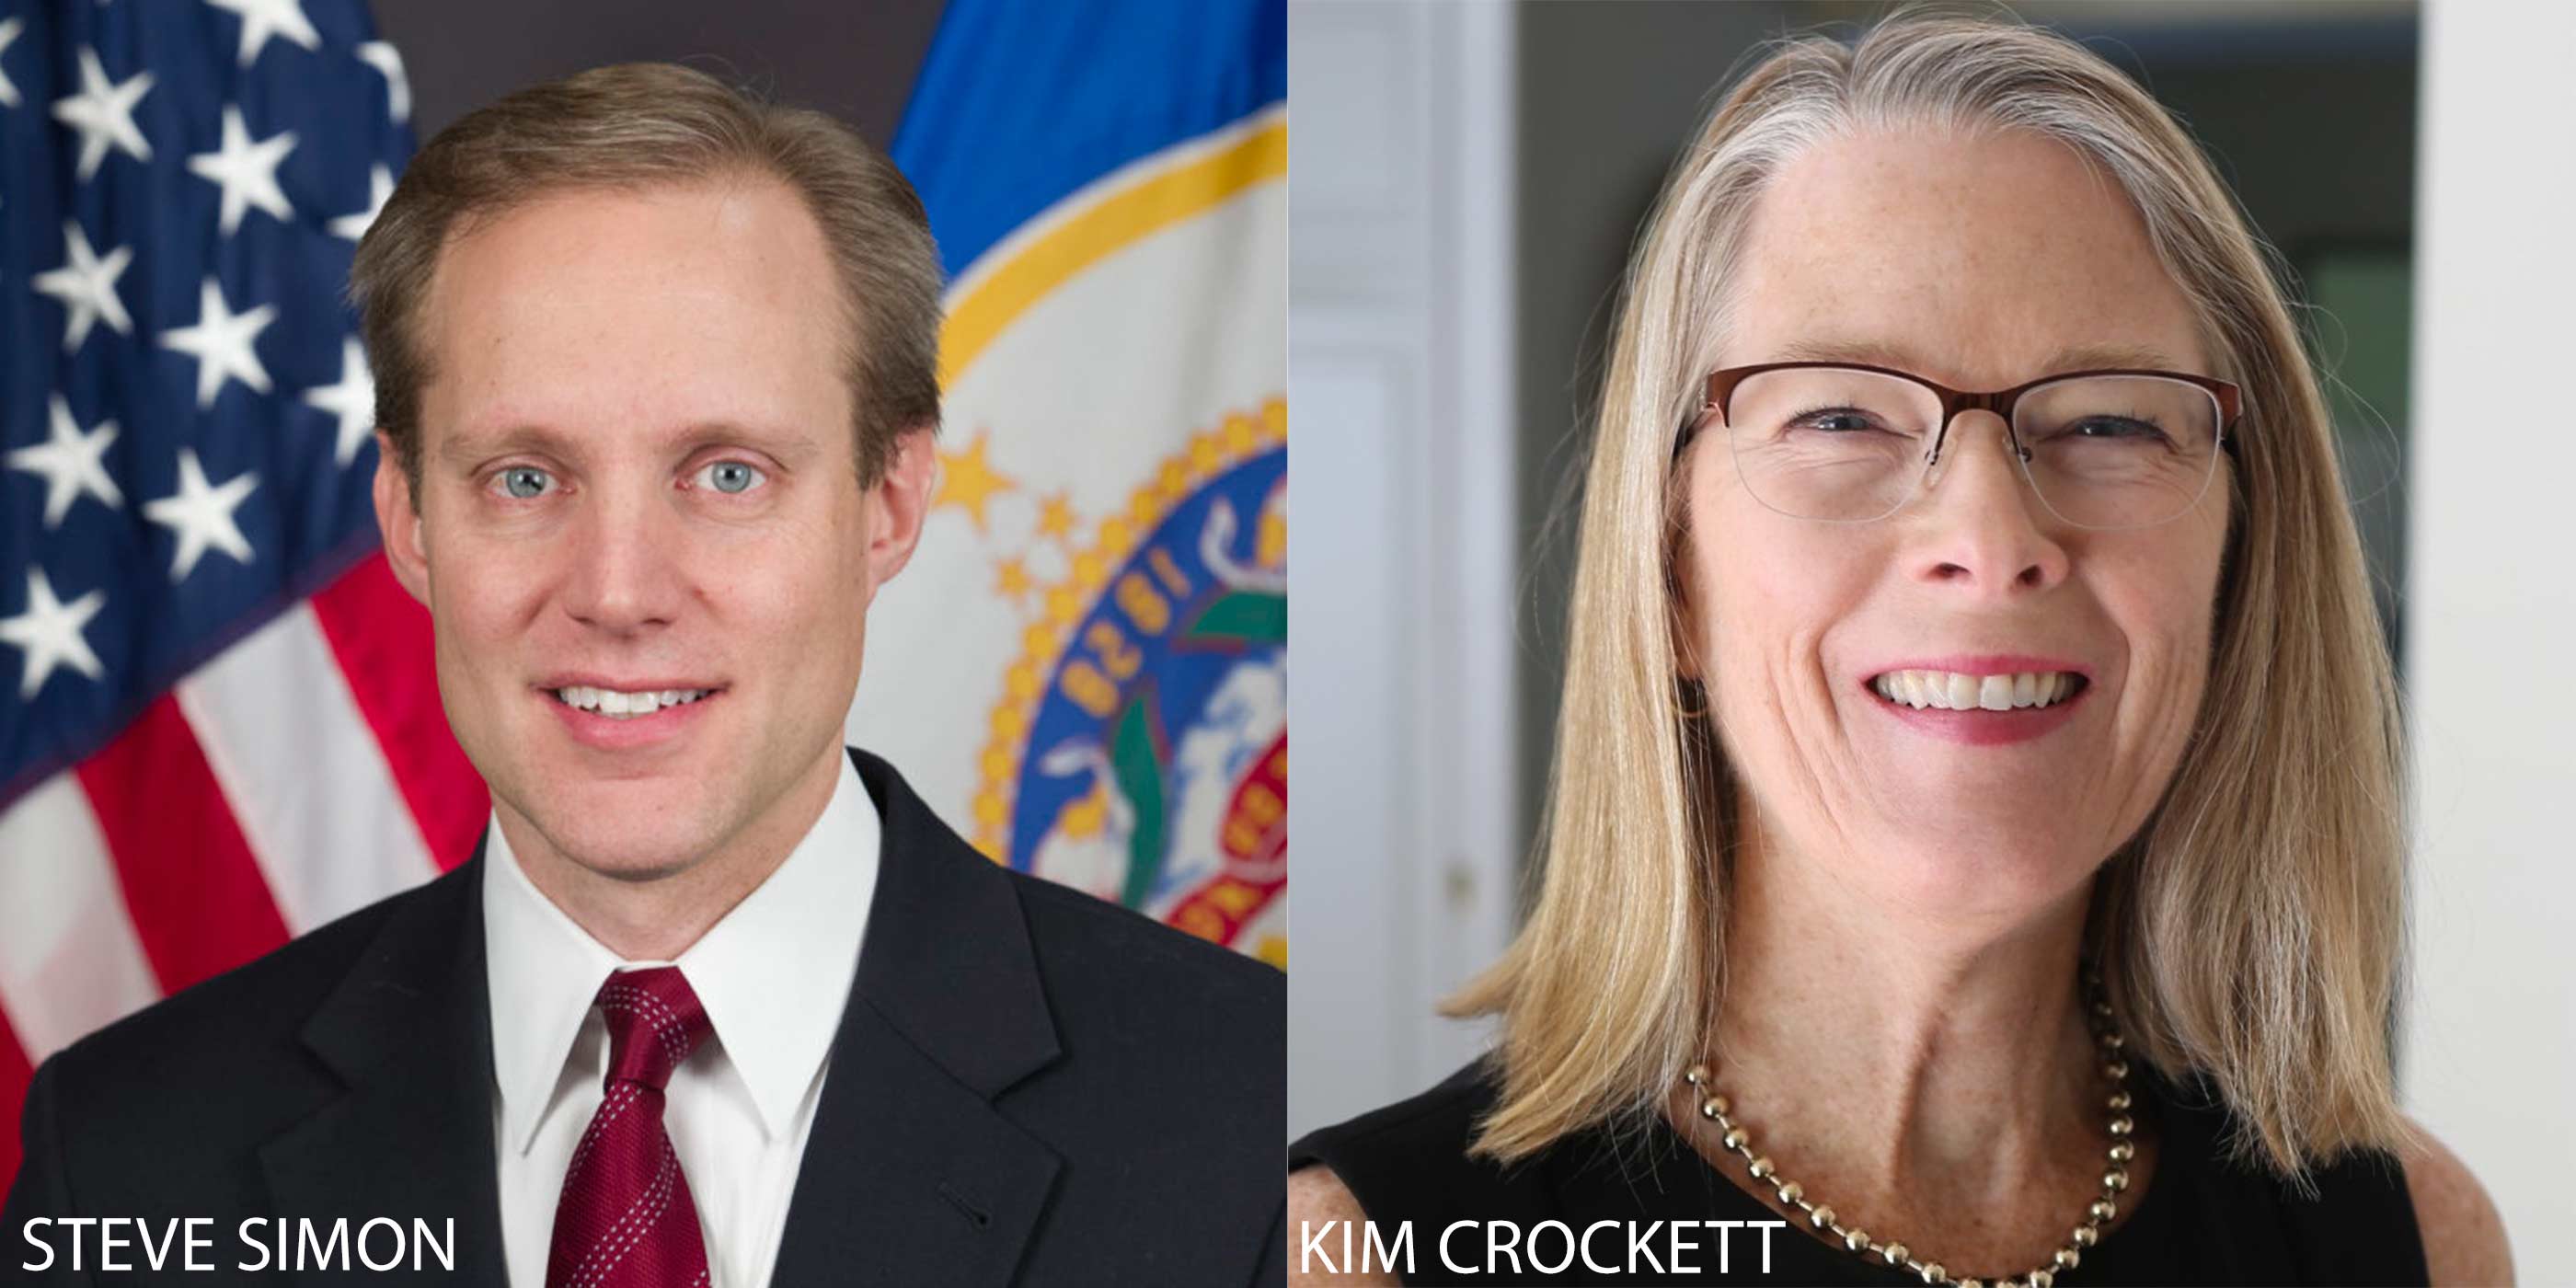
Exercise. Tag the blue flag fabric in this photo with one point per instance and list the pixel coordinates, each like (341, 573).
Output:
(1020, 102)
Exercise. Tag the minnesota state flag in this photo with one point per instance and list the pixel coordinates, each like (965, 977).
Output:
(1085, 665)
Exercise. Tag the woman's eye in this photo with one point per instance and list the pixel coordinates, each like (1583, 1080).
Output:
(524, 482)
(1833, 421)
(731, 477)
(2112, 427)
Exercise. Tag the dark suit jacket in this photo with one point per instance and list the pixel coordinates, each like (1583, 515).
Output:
(1028, 1086)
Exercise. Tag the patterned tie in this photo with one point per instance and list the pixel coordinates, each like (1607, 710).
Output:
(626, 1219)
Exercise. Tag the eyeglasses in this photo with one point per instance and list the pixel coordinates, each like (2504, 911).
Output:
(1844, 443)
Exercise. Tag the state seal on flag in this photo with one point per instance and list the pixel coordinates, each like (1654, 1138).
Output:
(1084, 664)
(1139, 750)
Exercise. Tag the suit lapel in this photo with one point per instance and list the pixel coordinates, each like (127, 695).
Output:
(409, 1034)
(911, 1176)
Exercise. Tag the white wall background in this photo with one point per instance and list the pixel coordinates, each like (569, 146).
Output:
(2491, 1043)
(1400, 378)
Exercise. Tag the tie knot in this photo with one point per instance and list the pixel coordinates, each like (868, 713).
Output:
(654, 1022)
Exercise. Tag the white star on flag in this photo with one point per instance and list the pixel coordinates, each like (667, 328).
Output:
(385, 58)
(262, 19)
(246, 171)
(380, 185)
(202, 515)
(103, 112)
(49, 633)
(86, 285)
(71, 463)
(353, 400)
(221, 343)
(9, 29)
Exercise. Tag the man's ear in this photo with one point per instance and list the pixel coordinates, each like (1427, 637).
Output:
(902, 498)
(398, 522)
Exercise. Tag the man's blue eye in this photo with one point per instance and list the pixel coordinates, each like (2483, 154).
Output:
(524, 482)
(732, 477)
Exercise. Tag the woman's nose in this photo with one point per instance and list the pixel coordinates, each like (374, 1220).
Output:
(1978, 525)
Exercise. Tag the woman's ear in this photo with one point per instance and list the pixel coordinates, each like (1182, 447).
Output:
(1685, 641)
(1682, 596)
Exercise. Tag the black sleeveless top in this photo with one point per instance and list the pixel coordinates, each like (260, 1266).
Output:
(2199, 1220)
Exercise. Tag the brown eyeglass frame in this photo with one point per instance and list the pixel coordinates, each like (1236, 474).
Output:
(1722, 383)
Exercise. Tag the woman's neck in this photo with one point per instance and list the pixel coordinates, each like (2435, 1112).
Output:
(1914, 1072)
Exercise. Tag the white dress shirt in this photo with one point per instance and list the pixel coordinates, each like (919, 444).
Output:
(773, 975)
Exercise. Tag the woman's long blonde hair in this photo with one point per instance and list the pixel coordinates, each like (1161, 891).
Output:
(2252, 930)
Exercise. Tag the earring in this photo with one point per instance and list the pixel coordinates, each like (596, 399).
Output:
(1693, 689)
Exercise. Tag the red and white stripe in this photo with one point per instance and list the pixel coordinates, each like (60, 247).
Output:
(298, 776)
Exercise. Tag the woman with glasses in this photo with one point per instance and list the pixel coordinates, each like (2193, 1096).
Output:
(1974, 838)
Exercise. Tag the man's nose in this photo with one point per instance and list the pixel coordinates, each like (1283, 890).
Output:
(1979, 527)
(624, 562)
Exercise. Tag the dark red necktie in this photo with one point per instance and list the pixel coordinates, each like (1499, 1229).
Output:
(626, 1219)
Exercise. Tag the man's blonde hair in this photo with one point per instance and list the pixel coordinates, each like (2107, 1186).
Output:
(648, 124)
(2252, 929)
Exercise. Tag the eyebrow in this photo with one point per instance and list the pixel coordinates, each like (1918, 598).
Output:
(467, 449)
(2073, 357)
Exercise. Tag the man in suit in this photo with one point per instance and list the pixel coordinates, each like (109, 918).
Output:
(717, 1000)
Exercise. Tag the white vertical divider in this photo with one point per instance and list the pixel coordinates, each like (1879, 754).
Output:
(2490, 1046)
(1403, 542)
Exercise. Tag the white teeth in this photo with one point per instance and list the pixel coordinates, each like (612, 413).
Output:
(1995, 693)
(626, 706)
(1950, 691)
(1961, 693)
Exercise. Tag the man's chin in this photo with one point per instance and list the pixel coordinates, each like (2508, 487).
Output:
(635, 869)
(613, 831)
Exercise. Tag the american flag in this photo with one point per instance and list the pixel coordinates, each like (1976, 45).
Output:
(219, 725)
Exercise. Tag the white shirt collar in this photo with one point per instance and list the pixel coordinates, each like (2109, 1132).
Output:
(773, 974)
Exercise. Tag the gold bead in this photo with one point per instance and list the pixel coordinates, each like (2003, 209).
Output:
(1855, 1240)
(1761, 1168)
(1895, 1254)
(1721, 1104)
(1821, 1217)
(1789, 1192)
(2123, 1152)
(1697, 1076)
(1972, 1283)
(2084, 1236)
(2104, 1209)
(2114, 1041)
(1712, 1107)
(2042, 1279)
(2067, 1258)
(2119, 1100)
(1735, 1138)
(2121, 1126)
(2116, 1070)
(2115, 1179)
(2102, 1008)
(1933, 1273)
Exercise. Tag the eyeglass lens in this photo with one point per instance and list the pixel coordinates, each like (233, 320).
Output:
(1844, 445)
